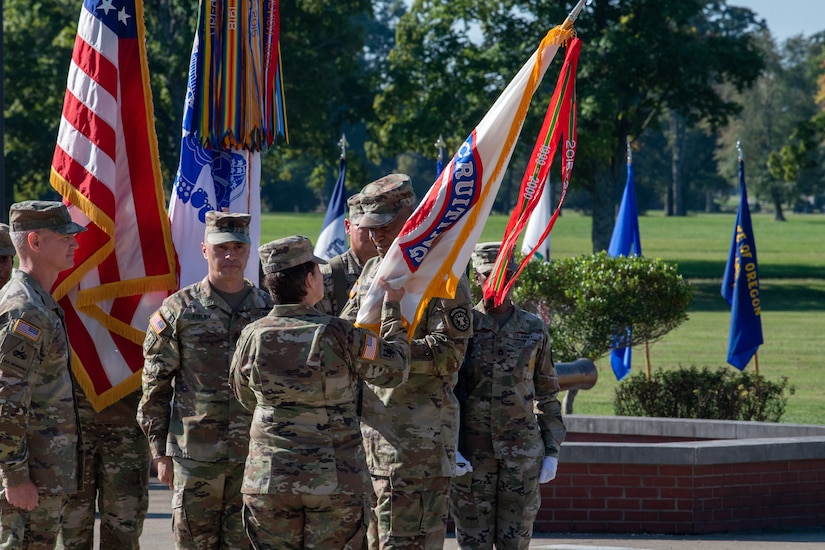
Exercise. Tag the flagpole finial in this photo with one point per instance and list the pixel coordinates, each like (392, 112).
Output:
(343, 144)
(629, 152)
(739, 149)
(574, 13)
(440, 144)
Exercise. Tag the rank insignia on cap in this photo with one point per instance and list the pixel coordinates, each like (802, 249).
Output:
(23, 328)
(370, 348)
(157, 323)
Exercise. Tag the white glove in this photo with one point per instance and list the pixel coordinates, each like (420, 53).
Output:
(462, 465)
(548, 469)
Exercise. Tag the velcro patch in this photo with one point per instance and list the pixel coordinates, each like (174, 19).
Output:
(370, 348)
(26, 330)
(157, 323)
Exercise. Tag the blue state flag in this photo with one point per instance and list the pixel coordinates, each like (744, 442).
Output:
(740, 286)
(333, 238)
(624, 242)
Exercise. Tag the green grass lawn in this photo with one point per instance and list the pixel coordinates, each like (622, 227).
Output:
(791, 258)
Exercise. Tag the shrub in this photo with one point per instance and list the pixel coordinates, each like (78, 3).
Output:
(714, 394)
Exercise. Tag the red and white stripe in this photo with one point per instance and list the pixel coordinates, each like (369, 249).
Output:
(106, 167)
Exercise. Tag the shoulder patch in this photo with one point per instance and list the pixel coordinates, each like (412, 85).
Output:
(157, 323)
(370, 348)
(460, 319)
(26, 330)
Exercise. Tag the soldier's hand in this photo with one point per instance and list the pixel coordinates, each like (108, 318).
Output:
(23, 496)
(548, 469)
(166, 471)
(391, 294)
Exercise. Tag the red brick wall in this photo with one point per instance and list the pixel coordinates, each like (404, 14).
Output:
(673, 499)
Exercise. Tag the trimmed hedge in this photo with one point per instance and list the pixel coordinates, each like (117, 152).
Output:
(713, 394)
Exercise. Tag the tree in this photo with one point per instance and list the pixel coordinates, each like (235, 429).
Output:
(590, 299)
(39, 38)
(778, 111)
(641, 58)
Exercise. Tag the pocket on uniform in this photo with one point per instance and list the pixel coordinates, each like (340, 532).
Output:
(180, 523)
(407, 514)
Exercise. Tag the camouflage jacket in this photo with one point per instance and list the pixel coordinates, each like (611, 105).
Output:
(412, 430)
(297, 369)
(38, 414)
(508, 390)
(188, 347)
(352, 270)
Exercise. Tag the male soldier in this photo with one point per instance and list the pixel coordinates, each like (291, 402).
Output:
(115, 478)
(187, 351)
(410, 432)
(40, 448)
(343, 270)
(511, 425)
(7, 253)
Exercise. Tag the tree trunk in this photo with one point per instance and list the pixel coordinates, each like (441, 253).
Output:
(779, 215)
(603, 206)
(678, 131)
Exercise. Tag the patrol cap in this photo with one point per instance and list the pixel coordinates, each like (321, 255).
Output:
(384, 198)
(356, 210)
(6, 246)
(484, 257)
(30, 215)
(226, 227)
(288, 252)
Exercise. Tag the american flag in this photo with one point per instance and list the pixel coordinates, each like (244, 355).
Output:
(106, 166)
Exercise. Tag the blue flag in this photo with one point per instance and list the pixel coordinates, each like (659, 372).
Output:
(625, 240)
(333, 238)
(740, 286)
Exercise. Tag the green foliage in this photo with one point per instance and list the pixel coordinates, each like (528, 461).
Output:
(713, 394)
(38, 41)
(591, 299)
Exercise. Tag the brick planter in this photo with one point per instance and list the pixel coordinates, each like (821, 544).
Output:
(670, 476)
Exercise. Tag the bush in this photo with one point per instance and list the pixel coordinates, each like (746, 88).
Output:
(590, 301)
(718, 394)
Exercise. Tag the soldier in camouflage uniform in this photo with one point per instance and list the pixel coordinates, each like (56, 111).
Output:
(7, 253)
(343, 270)
(411, 432)
(40, 448)
(115, 478)
(188, 347)
(511, 424)
(306, 483)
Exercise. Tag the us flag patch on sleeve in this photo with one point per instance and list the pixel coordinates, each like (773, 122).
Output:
(23, 328)
(157, 323)
(370, 348)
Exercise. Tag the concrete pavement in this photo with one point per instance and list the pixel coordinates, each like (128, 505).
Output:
(157, 535)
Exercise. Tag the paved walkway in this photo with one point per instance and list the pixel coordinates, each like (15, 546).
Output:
(157, 535)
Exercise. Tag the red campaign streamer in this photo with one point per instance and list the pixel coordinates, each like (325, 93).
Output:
(559, 125)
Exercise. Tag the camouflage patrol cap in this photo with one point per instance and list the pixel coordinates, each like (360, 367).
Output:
(288, 252)
(384, 198)
(356, 210)
(6, 246)
(484, 257)
(30, 215)
(226, 227)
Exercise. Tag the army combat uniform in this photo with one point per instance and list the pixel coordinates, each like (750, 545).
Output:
(510, 420)
(38, 416)
(115, 478)
(188, 347)
(350, 269)
(306, 483)
(410, 432)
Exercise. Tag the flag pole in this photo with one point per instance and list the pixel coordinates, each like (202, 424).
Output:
(574, 13)
(343, 144)
(647, 343)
